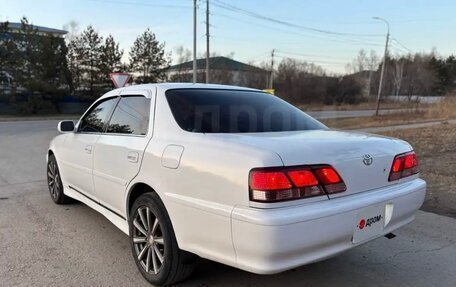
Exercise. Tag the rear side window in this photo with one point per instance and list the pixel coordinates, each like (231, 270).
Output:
(131, 116)
(235, 111)
(95, 120)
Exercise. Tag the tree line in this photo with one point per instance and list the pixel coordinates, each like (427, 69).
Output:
(418, 74)
(38, 66)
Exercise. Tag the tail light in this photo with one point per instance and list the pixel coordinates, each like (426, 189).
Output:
(289, 183)
(404, 165)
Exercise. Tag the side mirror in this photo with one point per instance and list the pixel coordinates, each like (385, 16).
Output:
(65, 126)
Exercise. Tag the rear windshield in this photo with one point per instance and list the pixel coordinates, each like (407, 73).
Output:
(234, 111)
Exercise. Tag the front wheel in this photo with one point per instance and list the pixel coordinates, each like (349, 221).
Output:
(154, 245)
(55, 182)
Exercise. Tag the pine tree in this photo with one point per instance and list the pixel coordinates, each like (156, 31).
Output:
(147, 58)
(111, 59)
(27, 60)
(9, 56)
(85, 60)
(74, 59)
(6, 47)
(53, 73)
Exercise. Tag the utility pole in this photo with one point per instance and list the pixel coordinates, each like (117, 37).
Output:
(382, 75)
(207, 42)
(271, 79)
(194, 42)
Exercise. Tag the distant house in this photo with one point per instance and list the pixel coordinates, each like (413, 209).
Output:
(15, 27)
(223, 70)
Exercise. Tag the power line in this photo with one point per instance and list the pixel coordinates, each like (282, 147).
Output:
(254, 58)
(353, 41)
(233, 8)
(312, 61)
(400, 44)
(398, 49)
(325, 37)
(307, 55)
(303, 31)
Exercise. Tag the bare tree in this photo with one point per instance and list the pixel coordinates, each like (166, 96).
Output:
(411, 75)
(73, 30)
(361, 62)
(372, 65)
(257, 79)
(182, 55)
(301, 82)
(398, 73)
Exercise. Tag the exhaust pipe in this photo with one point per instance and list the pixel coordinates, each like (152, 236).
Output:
(390, 235)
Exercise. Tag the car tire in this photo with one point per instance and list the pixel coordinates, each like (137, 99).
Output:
(54, 181)
(154, 244)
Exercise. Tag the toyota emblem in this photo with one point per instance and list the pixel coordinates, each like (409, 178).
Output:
(367, 159)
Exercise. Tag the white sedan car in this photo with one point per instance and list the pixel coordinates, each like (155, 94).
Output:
(230, 174)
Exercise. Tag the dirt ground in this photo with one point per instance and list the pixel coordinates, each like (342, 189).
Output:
(436, 150)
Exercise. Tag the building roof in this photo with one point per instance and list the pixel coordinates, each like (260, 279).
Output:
(17, 26)
(217, 63)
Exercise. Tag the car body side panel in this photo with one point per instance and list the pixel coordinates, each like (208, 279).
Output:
(117, 160)
(201, 193)
(76, 161)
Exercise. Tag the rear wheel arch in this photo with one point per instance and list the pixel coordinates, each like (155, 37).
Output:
(140, 188)
(136, 191)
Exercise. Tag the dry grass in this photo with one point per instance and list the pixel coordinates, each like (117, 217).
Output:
(441, 111)
(436, 150)
(370, 105)
(378, 121)
(445, 109)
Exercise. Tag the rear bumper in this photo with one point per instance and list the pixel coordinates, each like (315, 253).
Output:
(269, 241)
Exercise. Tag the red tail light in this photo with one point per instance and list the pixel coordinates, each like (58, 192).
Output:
(288, 183)
(269, 180)
(303, 178)
(404, 165)
(327, 175)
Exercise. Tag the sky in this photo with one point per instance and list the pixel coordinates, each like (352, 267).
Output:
(329, 33)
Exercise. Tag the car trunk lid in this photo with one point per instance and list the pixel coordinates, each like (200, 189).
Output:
(362, 160)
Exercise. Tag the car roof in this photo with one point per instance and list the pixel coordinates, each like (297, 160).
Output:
(163, 87)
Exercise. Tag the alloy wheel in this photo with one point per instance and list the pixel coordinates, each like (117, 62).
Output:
(53, 179)
(148, 240)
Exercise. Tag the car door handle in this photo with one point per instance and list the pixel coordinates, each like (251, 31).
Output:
(88, 149)
(133, 156)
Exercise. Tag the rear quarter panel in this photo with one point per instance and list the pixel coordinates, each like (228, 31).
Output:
(201, 193)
